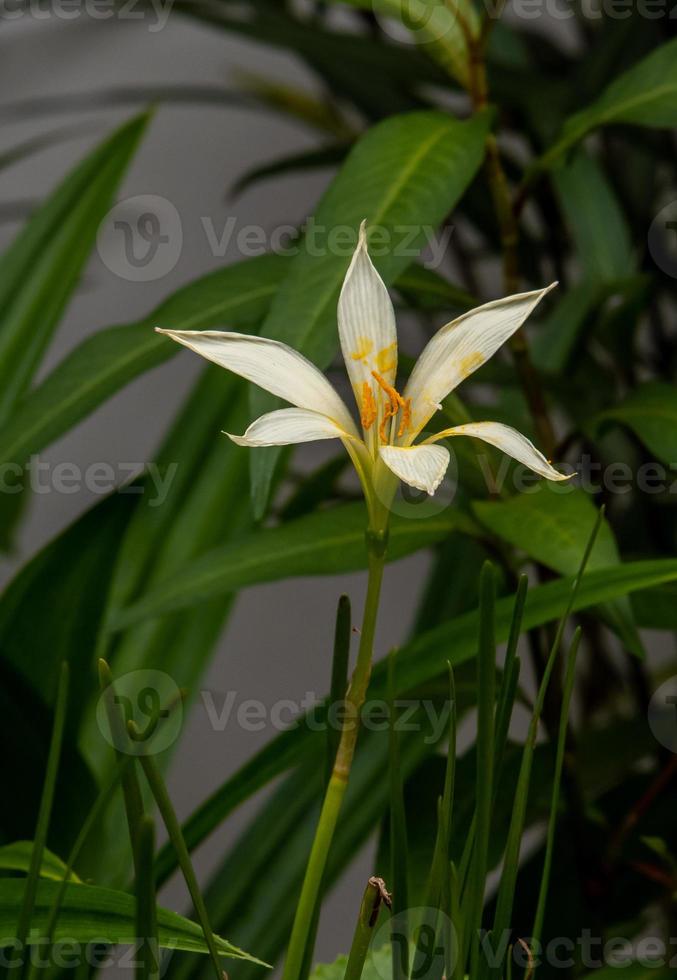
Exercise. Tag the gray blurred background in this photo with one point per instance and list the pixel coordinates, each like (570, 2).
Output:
(278, 642)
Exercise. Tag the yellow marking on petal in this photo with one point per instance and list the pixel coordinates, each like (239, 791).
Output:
(368, 412)
(469, 363)
(364, 349)
(386, 359)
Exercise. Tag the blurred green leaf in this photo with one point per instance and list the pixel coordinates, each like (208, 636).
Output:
(403, 176)
(650, 410)
(37, 611)
(556, 338)
(439, 28)
(599, 230)
(40, 270)
(645, 95)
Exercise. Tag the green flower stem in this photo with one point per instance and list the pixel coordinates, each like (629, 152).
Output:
(336, 788)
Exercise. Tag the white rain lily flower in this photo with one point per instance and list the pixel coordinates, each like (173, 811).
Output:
(390, 422)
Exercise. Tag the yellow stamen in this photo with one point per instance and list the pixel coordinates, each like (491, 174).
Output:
(395, 403)
(405, 421)
(390, 411)
(368, 413)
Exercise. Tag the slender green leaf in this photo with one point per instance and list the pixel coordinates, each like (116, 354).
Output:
(93, 914)
(486, 707)
(40, 270)
(506, 891)
(420, 662)
(326, 542)
(236, 297)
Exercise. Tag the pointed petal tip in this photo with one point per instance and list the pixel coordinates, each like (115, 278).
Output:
(238, 440)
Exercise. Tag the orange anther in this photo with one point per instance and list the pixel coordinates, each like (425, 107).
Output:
(405, 420)
(395, 403)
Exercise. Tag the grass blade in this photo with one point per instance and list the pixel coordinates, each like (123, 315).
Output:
(164, 805)
(45, 811)
(130, 781)
(486, 690)
(557, 777)
(506, 891)
(146, 911)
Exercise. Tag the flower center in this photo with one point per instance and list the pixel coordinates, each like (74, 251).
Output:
(394, 405)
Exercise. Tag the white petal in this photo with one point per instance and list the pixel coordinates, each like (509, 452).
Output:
(462, 346)
(422, 466)
(366, 322)
(286, 426)
(508, 440)
(270, 365)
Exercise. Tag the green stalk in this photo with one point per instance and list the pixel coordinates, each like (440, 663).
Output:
(398, 831)
(375, 893)
(146, 912)
(336, 788)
